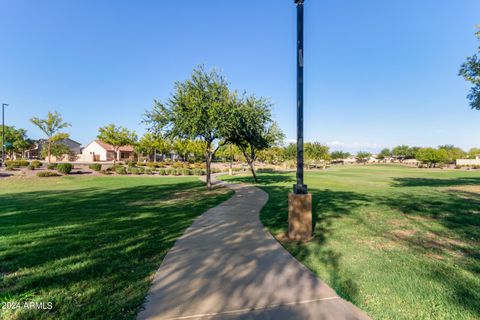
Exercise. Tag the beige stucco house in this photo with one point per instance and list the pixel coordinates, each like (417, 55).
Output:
(98, 150)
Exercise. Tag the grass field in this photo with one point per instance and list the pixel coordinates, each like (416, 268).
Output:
(90, 245)
(400, 243)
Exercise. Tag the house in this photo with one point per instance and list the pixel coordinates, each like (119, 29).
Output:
(74, 147)
(98, 150)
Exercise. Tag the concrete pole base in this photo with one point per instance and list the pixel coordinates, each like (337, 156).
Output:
(230, 172)
(300, 216)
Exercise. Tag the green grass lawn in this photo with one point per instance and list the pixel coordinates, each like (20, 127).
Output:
(91, 245)
(400, 243)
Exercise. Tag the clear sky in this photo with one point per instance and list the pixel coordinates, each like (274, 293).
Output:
(377, 73)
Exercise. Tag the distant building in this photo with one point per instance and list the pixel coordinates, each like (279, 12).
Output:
(74, 147)
(98, 150)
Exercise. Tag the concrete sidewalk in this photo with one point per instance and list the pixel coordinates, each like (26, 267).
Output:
(226, 266)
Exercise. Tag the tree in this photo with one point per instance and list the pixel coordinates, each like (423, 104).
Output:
(58, 149)
(470, 71)
(273, 155)
(197, 110)
(252, 129)
(188, 148)
(385, 153)
(431, 156)
(363, 156)
(117, 137)
(338, 155)
(16, 141)
(473, 152)
(150, 144)
(51, 127)
(401, 152)
(453, 152)
(316, 152)
(290, 152)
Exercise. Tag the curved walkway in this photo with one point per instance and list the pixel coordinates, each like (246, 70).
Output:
(225, 266)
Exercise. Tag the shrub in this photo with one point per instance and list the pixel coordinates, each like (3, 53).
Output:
(178, 172)
(458, 167)
(151, 164)
(133, 170)
(148, 171)
(51, 166)
(186, 172)
(9, 168)
(216, 170)
(64, 168)
(47, 174)
(162, 172)
(17, 163)
(177, 165)
(95, 166)
(120, 170)
(161, 164)
(476, 166)
(31, 167)
(106, 172)
(131, 163)
(36, 164)
(198, 172)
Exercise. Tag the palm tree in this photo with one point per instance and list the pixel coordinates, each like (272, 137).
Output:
(51, 127)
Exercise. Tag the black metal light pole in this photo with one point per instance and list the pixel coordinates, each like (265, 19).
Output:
(299, 187)
(3, 132)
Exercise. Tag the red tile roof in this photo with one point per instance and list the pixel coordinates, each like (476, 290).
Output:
(109, 147)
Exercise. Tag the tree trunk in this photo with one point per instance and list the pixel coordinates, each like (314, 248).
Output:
(49, 150)
(208, 160)
(252, 169)
(251, 164)
(115, 156)
(155, 155)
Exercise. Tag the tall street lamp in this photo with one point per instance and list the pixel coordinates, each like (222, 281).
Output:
(3, 132)
(300, 201)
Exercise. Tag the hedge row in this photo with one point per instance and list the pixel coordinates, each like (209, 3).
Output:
(17, 163)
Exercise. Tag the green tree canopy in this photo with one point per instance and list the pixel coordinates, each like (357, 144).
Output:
(363, 156)
(473, 152)
(431, 156)
(315, 153)
(252, 129)
(470, 71)
(51, 126)
(117, 136)
(197, 110)
(16, 140)
(151, 143)
(337, 155)
(453, 152)
(385, 153)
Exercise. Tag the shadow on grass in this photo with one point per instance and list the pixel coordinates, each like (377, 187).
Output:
(455, 210)
(428, 182)
(92, 251)
(327, 206)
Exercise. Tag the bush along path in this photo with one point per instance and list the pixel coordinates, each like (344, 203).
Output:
(226, 266)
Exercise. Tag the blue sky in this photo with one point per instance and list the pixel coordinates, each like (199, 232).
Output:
(377, 73)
